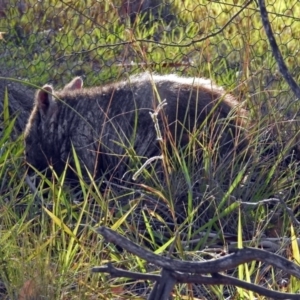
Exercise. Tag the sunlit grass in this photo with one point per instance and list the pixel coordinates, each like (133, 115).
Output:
(47, 238)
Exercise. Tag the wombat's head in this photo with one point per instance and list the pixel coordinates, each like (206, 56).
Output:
(44, 137)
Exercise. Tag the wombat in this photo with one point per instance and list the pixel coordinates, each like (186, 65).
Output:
(111, 129)
(160, 10)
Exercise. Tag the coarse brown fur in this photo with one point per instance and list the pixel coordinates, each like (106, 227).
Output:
(104, 124)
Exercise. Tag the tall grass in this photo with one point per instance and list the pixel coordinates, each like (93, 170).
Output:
(47, 238)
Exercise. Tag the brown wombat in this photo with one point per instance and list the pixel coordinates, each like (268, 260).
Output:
(110, 126)
(157, 9)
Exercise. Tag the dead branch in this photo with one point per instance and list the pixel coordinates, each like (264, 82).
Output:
(275, 49)
(215, 279)
(230, 261)
(116, 272)
(177, 271)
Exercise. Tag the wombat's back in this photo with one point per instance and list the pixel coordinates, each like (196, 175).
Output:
(111, 129)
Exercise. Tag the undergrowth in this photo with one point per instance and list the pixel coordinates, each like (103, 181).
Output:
(47, 231)
(47, 237)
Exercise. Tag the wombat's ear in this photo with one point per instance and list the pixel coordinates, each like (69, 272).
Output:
(44, 98)
(75, 84)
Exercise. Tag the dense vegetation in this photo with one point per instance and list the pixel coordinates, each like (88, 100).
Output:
(47, 237)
